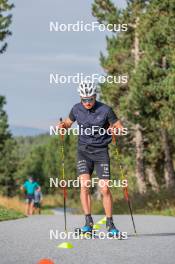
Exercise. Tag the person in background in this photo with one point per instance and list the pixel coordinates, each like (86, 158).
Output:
(37, 200)
(30, 186)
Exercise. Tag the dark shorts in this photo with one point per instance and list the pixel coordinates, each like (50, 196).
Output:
(93, 157)
(30, 198)
(37, 205)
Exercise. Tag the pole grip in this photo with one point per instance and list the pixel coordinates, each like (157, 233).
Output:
(61, 134)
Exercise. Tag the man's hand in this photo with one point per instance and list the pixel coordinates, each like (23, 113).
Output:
(65, 123)
(117, 124)
(114, 128)
(61, 125)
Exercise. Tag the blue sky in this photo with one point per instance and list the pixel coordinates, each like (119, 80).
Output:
(34, 52)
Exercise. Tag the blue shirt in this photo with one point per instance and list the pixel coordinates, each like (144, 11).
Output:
(30, 187)
(101, 116)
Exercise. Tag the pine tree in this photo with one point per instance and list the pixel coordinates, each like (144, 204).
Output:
(146, 53)
(152, 94)
(8, 154)
(5, 21)
(8, 159)
(123, 57)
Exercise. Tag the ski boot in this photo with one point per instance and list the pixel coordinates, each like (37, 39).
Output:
(87, 229)
(112, 230)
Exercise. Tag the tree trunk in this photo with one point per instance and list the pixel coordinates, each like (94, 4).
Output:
(169, 170)
(152, 178)
(139, 160)
(138, 132)
(136, 44)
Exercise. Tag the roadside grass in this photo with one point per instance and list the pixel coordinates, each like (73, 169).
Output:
(12, 203)
(14, 208)
(52, 201)
(9, 214)
(11, 208)
(45, 211)
(162, 203)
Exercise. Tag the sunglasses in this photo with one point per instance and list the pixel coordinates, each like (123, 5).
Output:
(88, 100)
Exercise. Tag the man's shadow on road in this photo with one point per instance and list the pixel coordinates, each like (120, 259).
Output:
(152, 235)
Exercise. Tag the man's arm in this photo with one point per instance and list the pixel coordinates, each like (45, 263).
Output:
(41, 196)
(38, 187)
(23, 187)
(66, 123)
(113, 120)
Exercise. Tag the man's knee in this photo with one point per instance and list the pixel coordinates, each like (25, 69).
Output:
(104, 187)
(85, 190)
(85, 182)
(105, 191)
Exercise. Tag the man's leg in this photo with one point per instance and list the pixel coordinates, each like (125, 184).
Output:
(107, 204)
(86, 202)
(39, 208)
(34, 209)
(107, 197)
(27, 208)
(85, 194)
(31, 208)
(85, 169)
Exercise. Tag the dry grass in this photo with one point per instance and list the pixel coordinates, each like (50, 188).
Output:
(12, 203)
(15, 203)
(52, 201)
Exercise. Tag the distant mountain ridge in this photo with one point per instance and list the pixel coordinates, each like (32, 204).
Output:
(26, 131)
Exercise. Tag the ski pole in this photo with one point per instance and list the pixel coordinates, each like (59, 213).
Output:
(63, 176)
(125, 189)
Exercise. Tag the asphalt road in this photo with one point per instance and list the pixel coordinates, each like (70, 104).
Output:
(26, 241)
